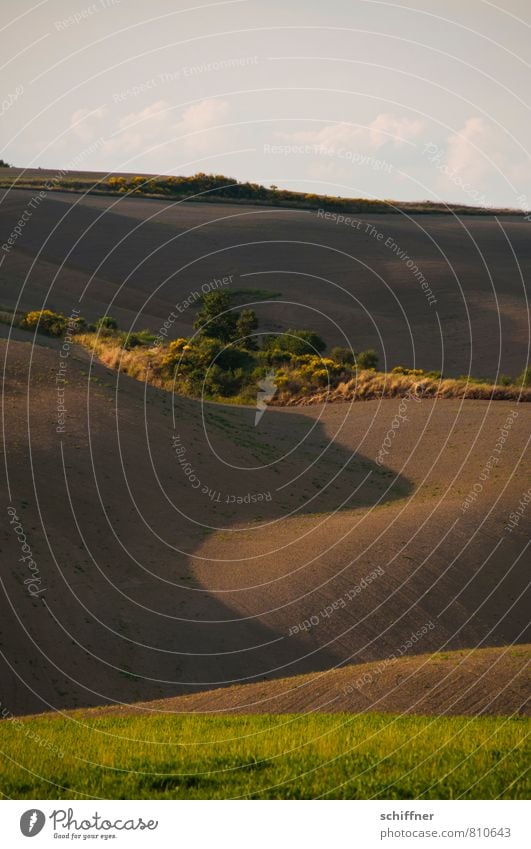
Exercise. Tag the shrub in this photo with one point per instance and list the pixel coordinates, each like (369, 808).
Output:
(418, 372)
(77, 324)
(345, 356)
(116, 182)
(367, 359)
(299, 342)
(139, 337)
(188, 364)
(224, 382)
(45, 321)
(235, 358)
(106, 322)
(505, 380)
(274, 356)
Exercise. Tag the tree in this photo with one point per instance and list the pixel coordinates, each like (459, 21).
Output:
(215, 319)
(246, 325)
(4, 164)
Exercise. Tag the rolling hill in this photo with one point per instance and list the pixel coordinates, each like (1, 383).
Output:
(295, 553)
(366, 280)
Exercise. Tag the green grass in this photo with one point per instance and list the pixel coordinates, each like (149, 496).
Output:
(268, 757)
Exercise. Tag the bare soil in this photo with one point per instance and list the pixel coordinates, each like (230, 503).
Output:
(481, 682)
(143, 259)
(156, 587)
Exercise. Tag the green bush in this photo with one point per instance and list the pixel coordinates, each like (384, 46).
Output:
(222, 382)
(106, 322)
(45, 321)
(139, 337)
(345, 356)
(298, 342)
(367, 359)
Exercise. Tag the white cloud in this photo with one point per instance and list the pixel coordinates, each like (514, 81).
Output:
(202, 121)
(207, 113)
(156, 137)
(386, 128)
(83, 123)
(466, 148)
(136, 132)
(481, 155)
(156, 125)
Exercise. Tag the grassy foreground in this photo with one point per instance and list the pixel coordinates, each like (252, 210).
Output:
(341, 756)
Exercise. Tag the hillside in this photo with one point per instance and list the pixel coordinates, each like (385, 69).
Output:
(436, 292)
(476, 682)
(206, 188)
(156, 586)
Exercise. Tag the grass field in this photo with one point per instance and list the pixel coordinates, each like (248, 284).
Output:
(267, 757)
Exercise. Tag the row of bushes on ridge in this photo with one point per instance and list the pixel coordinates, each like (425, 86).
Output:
(227, 358)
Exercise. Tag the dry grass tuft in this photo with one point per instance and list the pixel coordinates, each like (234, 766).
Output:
(368, 385)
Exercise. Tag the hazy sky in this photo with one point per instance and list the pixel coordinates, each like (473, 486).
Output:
(408, 100)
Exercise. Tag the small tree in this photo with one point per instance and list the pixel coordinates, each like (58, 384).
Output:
(215, 319)
(4, 164)
(246, 325)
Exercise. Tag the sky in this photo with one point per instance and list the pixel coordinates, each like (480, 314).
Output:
(415, 100)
